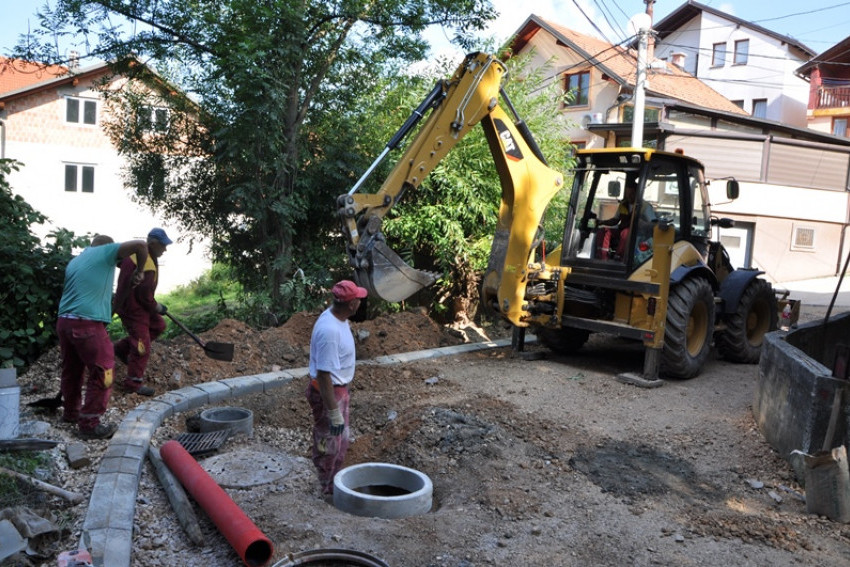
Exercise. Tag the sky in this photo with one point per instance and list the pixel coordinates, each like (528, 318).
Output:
(818, 24)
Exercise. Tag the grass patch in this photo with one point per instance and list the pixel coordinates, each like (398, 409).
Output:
(199, 305)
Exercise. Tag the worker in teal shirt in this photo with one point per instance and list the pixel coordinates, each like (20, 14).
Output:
(84, 311)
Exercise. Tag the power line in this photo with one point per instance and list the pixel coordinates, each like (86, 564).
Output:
(604, 8)
(592, 23)
(806, 13)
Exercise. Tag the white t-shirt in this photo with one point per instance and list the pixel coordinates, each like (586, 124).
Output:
(332, 348)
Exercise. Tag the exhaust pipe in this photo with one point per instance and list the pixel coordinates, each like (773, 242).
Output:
(253, 547)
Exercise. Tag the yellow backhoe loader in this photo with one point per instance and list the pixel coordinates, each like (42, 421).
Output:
(654, 275)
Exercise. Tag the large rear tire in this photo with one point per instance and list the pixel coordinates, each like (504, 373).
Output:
(690, 325)
(562, 341)
(755, 316)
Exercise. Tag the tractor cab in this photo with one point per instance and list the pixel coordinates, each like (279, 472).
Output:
(620, 194)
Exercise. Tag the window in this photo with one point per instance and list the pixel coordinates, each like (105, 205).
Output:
(153, 118)
(804, 238)
(742, 49)
(79, 176)
(718, 55)
(579, 85)
(839, 126)
(760, 107)
(73, 114)
(738, 103)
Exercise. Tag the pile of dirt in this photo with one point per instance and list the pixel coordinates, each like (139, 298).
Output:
(180, 362)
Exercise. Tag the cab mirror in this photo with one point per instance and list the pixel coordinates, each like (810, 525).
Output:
(732, 189)
(614, 189)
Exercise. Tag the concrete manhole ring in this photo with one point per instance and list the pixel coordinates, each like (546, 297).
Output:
(329, 557)
(243, 469)
(382, 490)
(238, 420)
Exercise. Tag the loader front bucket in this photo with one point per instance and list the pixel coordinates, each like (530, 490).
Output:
(389, 277)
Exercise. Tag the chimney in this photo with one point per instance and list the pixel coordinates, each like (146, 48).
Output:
(73, 59)
(678, 59)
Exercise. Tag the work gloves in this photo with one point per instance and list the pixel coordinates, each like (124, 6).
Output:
(161, 309)
(337, 422)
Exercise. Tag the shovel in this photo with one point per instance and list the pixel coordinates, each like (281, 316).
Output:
(218, 351)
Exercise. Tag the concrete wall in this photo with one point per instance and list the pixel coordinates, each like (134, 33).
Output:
(795, 389)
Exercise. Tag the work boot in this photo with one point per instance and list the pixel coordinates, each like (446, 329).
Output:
(131, 388)
(146, 391)
(101, 431)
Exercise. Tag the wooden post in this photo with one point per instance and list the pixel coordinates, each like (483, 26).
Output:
(177, 497)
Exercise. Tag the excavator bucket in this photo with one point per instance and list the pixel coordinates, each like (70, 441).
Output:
(389, 277)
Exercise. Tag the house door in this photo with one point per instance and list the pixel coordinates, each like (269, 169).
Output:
(738, 242)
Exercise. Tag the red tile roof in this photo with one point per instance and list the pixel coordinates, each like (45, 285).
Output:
(17, 74)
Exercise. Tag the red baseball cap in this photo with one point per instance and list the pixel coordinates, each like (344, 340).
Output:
(346, 290)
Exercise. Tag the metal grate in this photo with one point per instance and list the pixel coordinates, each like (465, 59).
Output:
(200, 444)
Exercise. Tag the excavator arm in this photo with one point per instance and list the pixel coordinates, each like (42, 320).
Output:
(457, 105)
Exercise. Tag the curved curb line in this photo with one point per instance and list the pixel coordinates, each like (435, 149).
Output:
(108, 527)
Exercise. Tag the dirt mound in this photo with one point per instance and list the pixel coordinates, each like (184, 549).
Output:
(180, 361)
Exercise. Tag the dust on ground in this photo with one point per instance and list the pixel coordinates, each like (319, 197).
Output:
(547, 461)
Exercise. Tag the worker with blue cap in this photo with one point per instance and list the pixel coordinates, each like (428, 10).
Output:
(140, 314)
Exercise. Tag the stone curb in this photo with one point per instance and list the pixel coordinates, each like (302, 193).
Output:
(108, 527)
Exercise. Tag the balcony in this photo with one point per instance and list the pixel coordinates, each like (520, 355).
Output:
(833, 97)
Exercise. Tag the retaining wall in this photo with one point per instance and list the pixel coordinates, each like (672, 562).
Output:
(795, 390)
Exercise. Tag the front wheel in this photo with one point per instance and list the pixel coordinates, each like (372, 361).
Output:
(690, 325)
(755, 316)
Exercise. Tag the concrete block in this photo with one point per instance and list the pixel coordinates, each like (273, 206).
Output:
(793, 397)
(178, 401)
(77, 455)
(112, 503)
(110, 546)
(215, 391)
(244, 385)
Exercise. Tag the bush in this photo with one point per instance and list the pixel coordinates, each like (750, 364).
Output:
(32, 273)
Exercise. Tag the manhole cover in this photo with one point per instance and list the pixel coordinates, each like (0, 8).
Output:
(200, 444)
(242, 469)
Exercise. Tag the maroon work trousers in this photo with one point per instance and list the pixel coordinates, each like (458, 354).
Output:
(142, 330)
(87, 357)
(328, 450)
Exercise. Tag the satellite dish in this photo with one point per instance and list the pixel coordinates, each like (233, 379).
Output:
(641, 21)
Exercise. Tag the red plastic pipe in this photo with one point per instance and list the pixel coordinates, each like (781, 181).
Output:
(253, 547)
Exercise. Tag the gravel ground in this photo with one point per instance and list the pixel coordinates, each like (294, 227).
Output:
(548, 461)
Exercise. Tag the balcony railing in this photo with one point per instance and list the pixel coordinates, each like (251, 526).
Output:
(833, 97)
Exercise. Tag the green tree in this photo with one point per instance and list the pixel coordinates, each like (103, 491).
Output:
(32, 273)
(448, 225)
(259, 167)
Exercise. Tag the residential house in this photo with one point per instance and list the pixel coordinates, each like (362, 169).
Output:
(792, 215)
(51, 120)
(748, 64)
(601, 78)
(828, 76)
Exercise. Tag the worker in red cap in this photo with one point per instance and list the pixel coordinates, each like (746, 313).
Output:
(140, 314)
(332, 360)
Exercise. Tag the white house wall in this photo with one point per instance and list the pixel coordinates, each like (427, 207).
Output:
(768, 74)
(546, 52)
(685, 40)
(38, 136)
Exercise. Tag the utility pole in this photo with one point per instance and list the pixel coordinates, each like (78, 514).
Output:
(643, 25)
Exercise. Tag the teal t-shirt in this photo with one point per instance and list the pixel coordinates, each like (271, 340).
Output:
(88, 284)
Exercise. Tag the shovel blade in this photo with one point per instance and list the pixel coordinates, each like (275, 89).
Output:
(219, 351)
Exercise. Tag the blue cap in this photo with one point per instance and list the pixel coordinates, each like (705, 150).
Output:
(159, 234)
